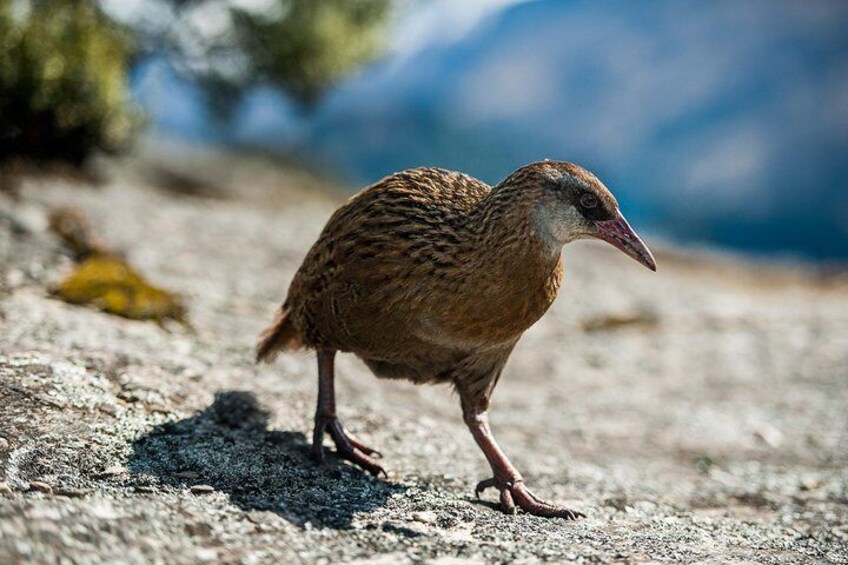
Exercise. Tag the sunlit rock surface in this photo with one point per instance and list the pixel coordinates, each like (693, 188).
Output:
(699, 413)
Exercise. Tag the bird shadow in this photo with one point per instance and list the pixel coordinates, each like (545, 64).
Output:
(229, 447)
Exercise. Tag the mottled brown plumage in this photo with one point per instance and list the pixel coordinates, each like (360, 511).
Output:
(432, 276)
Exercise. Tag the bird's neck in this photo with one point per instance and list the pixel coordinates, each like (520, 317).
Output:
(517, 264)
(509, 223)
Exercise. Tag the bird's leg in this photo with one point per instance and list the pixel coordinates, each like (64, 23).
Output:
(347, 447)
(506, 477)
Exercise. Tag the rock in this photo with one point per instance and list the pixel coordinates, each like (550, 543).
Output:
(205, 554)
(620, 503)
(644, 319)
(769, 435)
(128, 396)
(39, 486)
(202, 489)
(810, 483)
(113, 471)
(74, 228)
(109, 409)
(703, 463)
(158, 409)
(5, 488)
(71, 492)
(15, 278)
(425, 517)
(198, 529)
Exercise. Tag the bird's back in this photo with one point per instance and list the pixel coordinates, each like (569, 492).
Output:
(368, 284)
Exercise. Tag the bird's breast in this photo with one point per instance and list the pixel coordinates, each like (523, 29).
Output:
(492, 309)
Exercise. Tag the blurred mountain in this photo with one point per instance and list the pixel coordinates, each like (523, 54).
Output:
(722, 122)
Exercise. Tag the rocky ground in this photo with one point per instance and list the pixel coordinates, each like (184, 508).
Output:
(695, 414)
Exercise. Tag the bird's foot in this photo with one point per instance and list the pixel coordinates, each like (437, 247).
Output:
(515, 494)
(347, 447)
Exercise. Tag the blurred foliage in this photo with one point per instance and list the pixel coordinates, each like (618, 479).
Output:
(64, 64)
(304, 47)
(63, 71)
(314, 44)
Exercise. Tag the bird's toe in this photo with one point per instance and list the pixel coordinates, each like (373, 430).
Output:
(353, 450)
(531, 504)
(360, 459)
(514, 495)
(483, 485)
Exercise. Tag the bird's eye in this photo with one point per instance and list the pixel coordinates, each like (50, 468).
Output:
(588, 200)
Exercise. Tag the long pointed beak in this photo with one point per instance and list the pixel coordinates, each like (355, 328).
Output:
(618, 233)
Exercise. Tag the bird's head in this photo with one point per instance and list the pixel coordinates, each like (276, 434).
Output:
(570, 203)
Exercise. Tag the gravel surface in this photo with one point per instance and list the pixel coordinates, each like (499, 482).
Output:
(695, 414)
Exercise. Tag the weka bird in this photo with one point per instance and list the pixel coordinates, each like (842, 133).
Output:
(432, 276)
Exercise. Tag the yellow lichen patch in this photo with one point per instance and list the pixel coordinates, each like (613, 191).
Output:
(112, 285)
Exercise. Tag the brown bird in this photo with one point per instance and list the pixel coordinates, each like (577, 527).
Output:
(432, 276)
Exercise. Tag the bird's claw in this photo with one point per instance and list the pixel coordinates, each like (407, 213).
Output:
(347, 447)
(483, 485)
(514, 495)
(369, 451)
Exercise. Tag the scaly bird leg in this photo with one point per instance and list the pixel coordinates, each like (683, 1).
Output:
(347, 447)
(506, 477)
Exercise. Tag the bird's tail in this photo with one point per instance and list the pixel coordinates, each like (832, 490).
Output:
(279, 336)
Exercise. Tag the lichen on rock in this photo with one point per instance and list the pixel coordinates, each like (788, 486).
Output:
(106, 280)
(111, 284)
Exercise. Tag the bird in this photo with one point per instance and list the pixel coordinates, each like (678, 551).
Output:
(432, 276)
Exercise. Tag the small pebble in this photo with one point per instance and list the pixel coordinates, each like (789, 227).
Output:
(128, 396)
(5, 488)
(769, 435)
(198, 529)
(425, 517)
(207, 554)
(15, 278)
(158, 409)
(40, 487)
(73, 492)
(617, 502)
(202, 489)
(810, 483)
(112, 472)
(260, 516)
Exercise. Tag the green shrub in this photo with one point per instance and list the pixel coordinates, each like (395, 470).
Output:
(314, 44)
(63, 91)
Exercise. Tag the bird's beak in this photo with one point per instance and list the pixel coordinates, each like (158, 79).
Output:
(619, 233)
